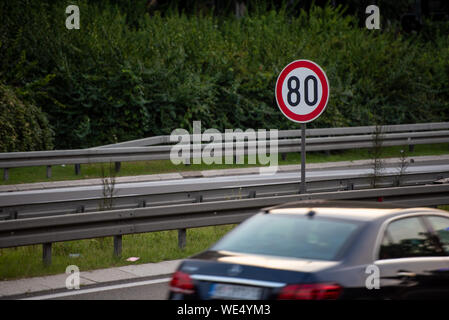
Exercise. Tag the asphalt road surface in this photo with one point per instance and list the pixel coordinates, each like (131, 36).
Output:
(186, 185)
(153, 289)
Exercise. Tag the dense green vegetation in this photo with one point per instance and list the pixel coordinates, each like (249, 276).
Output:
(127, 74)
(23, 126)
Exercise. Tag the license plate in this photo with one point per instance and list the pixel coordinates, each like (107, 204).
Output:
(230, 291)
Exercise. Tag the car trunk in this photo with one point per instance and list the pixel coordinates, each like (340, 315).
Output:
(227, 275)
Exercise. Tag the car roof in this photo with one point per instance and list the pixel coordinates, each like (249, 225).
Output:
(350, 210)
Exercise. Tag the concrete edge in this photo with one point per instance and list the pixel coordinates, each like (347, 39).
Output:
(11, 288)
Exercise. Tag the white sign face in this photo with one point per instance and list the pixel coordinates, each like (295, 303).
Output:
(302, 91)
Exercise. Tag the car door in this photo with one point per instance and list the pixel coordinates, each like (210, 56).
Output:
(412, 261)
(440, 227)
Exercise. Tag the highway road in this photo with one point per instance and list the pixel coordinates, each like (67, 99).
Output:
(18, 198)
(152, 289)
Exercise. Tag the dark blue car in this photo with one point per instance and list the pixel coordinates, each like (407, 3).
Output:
(324, 250)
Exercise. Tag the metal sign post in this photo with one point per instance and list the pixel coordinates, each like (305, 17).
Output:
(303, 187)
(302, 93)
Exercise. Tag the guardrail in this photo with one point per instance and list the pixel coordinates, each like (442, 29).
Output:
(19, 206)
(433, 126)
(288, 141)
(117, 223)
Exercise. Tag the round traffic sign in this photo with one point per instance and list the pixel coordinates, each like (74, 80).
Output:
(302, 91)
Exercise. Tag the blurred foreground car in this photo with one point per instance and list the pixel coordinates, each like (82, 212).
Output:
(324, 250)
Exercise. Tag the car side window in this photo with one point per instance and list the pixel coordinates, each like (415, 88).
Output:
(441, 227)
(408, 237)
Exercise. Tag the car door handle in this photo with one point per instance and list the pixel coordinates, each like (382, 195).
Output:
(406, 274)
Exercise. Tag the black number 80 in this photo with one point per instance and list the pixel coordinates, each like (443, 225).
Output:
(294, 90)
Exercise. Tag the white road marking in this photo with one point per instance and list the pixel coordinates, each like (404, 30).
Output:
(99, 289)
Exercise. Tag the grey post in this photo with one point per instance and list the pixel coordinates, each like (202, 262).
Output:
(303, 188)
(13, 214)
(118, 245)
(118, 166)
(77, 169)
(411, 147)
(182, 233)
(48, 171)
(142, 204)
(46, 253)
(182, 240)
(6, 174)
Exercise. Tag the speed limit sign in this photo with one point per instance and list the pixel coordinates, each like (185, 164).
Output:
(302, 91)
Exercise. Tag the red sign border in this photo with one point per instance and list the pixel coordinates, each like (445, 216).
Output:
(324, 83)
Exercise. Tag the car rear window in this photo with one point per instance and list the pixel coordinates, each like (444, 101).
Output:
(289, 236)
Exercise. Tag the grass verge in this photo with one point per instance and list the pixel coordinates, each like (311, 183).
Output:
(97, 253)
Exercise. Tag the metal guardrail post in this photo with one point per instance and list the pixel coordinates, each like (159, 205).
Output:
(118, 166)
(411, 147)
(182, 238)
(142, 204)
(77, 169)
(182, 233)
(13, 215)
(48, 171)
(6, 174)
(46, 253)
(118, 245)
(80, 209)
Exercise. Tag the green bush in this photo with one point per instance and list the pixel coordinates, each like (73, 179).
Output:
(127, 76)
(23, 126)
